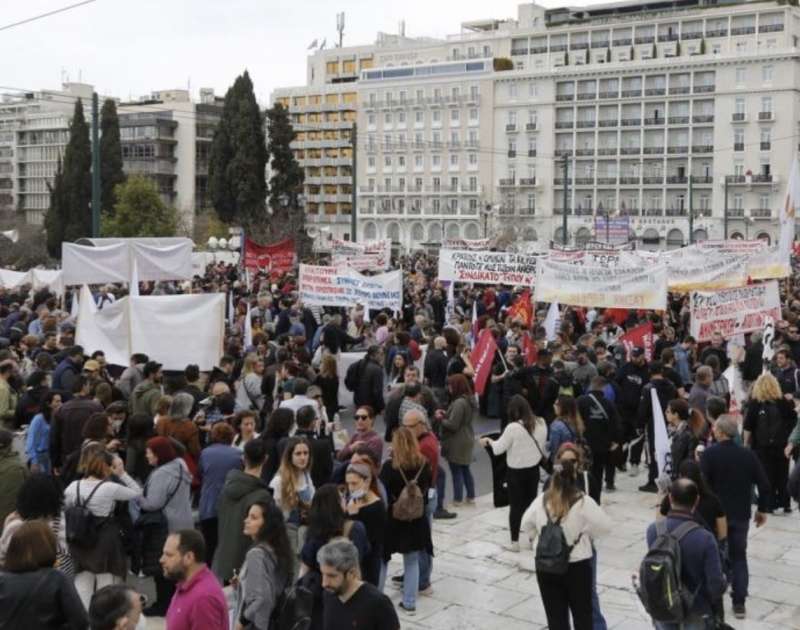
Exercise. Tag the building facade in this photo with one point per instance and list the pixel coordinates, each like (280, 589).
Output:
(667, 115)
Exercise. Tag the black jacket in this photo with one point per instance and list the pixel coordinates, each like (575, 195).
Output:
(631, 378)
(370, 385)
(436, 368)
(601, 429)
(665, 391)
(731, 471)
(45, 600)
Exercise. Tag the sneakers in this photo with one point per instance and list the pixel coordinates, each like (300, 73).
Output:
(410, 611)
(513, 547)
(739, 611)
(610, 487)
(457, 504)
(443, 515)
(398, 579)
(470, 502)
(649, 487)
(428, 590)
(633, 471)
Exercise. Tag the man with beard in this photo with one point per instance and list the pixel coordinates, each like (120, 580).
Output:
(349, 601)
(198, 601)
(144, 398)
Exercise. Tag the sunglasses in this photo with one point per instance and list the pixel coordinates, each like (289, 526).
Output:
(361, 417)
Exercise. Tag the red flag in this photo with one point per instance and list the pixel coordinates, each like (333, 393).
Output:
(481, 358)
(530, 349)
(522, 309)
(639, 337)
(279, 258)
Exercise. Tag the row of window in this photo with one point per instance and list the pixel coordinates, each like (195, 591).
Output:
(437, 94)
(399, 162)
(436, 117)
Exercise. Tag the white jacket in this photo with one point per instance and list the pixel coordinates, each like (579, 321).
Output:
(517, 443)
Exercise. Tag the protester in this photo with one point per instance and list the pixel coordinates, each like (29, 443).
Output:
(66, 428)
(293, 489)
(116, 607)
(364, 504)
(37, 441)
(145, 395)
(568, 425)
(602, 433)
(458, 437)
(245, 426)
(365, 434)
(687, 428)
(12, 474)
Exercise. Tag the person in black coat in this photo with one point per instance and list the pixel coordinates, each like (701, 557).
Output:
(602, 433)
(369, 390)
(539, 385)
(665, 392)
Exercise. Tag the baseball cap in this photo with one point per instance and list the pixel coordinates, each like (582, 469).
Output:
(91, 366)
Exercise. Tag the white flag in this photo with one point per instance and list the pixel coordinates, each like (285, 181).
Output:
(133, 289)
(660, 437)
(552, 321)
(366, 314)
(767, 337)
(248, 329)
(788, 211)
(73, 313)
(450, 309)
(231, 312)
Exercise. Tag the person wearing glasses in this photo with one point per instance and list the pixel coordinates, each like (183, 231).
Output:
(365, 434)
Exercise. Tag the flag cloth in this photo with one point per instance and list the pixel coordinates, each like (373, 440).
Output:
(277, 258)
(788, 212)
(481, 358)
(73, 313)
(474, 322)
(660, 437)
(767, 337)
(639, 337)
(133, 288)
(552, 321)
(248, 329)
(231, 311)
(530, 350)
(522, 309)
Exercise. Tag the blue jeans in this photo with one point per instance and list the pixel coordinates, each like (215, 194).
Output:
(462, 476)
(411, 578)
(696, 624)
(598, 621)
(426, 559)
(737, 550)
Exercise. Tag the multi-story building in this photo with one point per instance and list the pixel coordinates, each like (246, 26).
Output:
(665, 114)
(167, 138)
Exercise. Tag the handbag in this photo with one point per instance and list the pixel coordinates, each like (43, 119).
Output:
(545, 462)
(151, 531)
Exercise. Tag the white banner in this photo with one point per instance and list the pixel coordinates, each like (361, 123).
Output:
(694, 269)
(620, 287)
(733, 311)
(661, 440)
(487, 267)
(365, 256)
(480, 244)
(331, 286)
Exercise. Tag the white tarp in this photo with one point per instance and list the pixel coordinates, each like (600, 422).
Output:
(10, 279)
(38, 279)
(174, 330)
(112, 261)
(332, 286)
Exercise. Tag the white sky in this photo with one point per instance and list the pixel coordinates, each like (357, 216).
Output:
(130, 48)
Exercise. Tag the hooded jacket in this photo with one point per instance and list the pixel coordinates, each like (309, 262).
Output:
(144, 398)
(238, 494)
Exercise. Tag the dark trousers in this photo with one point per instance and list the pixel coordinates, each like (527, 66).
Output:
(737, 550)
(568, 594)
(600, 466)
(165, 589)
(523, 485)
(209, 528)
(777, 468)
(441, 478)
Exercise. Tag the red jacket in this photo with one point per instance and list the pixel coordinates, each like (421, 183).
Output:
(429, 446)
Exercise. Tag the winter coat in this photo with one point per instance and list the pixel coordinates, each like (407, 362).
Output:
(215, 463)
(682, 446)
(43, 600)
(145, 398)
(169, 478)
(370, 386)
(458, 434)
(238, 494)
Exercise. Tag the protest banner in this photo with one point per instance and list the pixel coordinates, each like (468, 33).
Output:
(366, 256)
(695, 269)
(487, 267)
(277, 258)
(332, 286)
(733, 311)
(612, 230)
(480, 244)
(639, 337)
(481, 358)
(643, 287)
(661, 441)
(597, 258)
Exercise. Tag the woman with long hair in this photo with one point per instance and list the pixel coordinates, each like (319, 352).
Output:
(458, 436)
(397, 370)
(244, 423)
(140, 429)
(279, 424)
(523, 441)
(363, 503)
(687, 427)
(408, 537)
(328, 382)
(567, 426)
(37, 442)
(99, 563)
(767, 426)
(581, 520)
(293, 488)
(248, 387)
(267, 569)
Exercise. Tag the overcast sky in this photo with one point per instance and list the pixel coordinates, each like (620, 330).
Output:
(130, 48)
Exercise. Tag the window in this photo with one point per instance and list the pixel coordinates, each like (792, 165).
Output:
(766, 74)
(371, 121)
(766, 138)
(473, 116)
(763, 201)
(436, 137)
(401, 118)
(436, 117)
(474, 91)
(436, 161)
(455, 92)
(472, 160)
(372, 98)
(387, 161)
(454, 137)
(512, 147)
(512, 90)
(403, 96)
(455, 116)
(418, 139)
(419, 118)
(766, 104)
(533, 90)
(741, 74)
(473, 136)
(738, 139)
(371, 163)
(418, 163)
(738, 201)
(420, 95)
(401, 162)
(738, 168)
(387, 118)
(739, 106)
(532, 116)
(531, 201)
(512, 117)
(454, 184)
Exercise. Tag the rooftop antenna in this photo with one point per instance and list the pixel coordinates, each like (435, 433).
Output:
(340, 27)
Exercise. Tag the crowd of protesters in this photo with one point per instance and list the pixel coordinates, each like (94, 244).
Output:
(228, 487)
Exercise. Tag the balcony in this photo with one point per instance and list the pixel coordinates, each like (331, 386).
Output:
(668, 37)
(743, 30)
(563, 152)
(558, 47)
(765, 146)
(584, 212)
(629, 180)
(765, 115)
(565, 124)
(654, 121)
(761, 213)
(584, 152)
(586, 124)
(631, 122)
(738, 146)
(704, 89)
(614, 94)
(629, 212)
(676, 212)
(678, 120)
(565, 97)
(511, 153)
(511, 128)
(531, 126)
(519, 52)
(770, 28)
(651, 180)
(624, 41)
(527, 181)
(630, 150)
(559, 181)
(719, 32)
(607, 151)
(560, 211)
(631, 93)
(653, 212)
(735, 179)
(607, 123)
(677, 179)
(538, 50)
(679, 89)
(653, 150)
(601, 44)
(702, 148)
(692, 35)
(527, 211)
(659, 91)
(736, 213)
(702, 179)
(703, 118)
(677, 150)
(579, 46)
(531, 152)
(762, 178)
(506, 182)
(645, 39)
(738, 117)
(584, 181)
(606, 181)
(586, 96)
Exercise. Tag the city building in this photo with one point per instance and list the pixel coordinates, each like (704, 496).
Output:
(666, 114)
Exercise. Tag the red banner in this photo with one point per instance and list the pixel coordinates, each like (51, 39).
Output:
(481, 358)
(278, 257)
(639, 337)
(530, 350)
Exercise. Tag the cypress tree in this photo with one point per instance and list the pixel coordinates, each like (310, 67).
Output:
(110, 156)
(78, 178)
(56, 215)
(238, 158)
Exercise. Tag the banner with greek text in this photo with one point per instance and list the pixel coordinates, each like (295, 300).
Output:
(480, 244)
(693, 269)
(343, 286)
(366, 256)
(733, 311)
(619, 287)
(487, 267)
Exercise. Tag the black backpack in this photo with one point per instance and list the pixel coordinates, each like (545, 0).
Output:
(661, 590)
(353, 376)
(769, 426)
(81, 524)
(552, 550)
(295, 605)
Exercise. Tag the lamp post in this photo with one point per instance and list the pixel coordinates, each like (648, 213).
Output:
(691, 213)
(565, 166)
(725, 211)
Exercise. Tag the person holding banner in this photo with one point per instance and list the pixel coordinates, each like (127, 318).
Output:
(666, 392)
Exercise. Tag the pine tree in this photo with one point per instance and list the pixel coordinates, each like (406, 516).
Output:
(110, 155)
(56, 215)
(78, 178)
(238, 158)
(140, 211)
